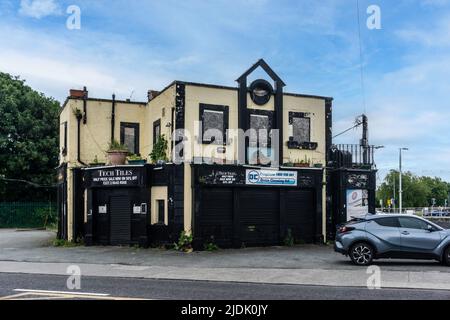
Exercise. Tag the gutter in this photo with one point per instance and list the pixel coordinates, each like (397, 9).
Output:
(113, 116)
(78, 140)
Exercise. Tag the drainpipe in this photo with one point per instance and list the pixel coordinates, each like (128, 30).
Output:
(113, 116)
(79, 117)
(172, 128)
(85, 96)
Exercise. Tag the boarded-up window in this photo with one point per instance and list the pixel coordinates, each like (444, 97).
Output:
(214, 120)
(261, 125)
(301, 129)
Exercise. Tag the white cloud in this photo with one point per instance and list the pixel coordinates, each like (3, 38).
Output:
(39, 8)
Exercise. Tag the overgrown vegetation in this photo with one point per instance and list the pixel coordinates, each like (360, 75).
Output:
(184, 242)
(159, 152)
(66, 244)
(289, 240)
(210, 245)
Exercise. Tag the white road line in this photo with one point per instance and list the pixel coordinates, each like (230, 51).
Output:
(64, 292)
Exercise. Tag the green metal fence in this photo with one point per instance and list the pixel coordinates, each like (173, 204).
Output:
(27, 214)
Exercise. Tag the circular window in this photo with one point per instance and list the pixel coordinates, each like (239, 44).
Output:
(261, 91)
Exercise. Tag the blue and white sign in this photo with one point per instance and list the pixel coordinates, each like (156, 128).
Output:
(271, 178)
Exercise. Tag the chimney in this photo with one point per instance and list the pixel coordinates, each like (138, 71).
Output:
(78, 94)
(152, 94)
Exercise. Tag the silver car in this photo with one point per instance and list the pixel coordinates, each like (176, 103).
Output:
(392, 236)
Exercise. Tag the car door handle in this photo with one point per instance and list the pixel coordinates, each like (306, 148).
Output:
(405, 233)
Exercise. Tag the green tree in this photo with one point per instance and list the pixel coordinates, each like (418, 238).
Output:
(29, 130)
(417, 191)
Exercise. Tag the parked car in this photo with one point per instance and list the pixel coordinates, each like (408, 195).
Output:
(438, 214)
(392, 236)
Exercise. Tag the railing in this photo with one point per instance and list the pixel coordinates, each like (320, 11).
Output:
(438, 215)
(352, 156)
(426, 212)
(27, 214)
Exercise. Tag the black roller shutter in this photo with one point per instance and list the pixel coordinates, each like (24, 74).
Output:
(259, 214)
(300, 214)
(120, 220)
(217, 216)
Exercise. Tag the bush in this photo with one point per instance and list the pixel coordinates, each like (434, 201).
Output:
(159, 152)
(184, 242)
(66, 244)
(211, 246)
(289, 241)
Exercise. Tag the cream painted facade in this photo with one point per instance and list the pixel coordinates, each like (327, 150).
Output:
(95, 135)
(159, 193)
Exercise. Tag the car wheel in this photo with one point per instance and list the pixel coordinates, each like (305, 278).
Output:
(447, 256)
(361, 254)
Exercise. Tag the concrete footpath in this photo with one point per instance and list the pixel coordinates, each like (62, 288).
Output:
(318, 277)
(32, 253)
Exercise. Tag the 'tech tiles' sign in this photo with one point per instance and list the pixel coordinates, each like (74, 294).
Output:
(115, 177)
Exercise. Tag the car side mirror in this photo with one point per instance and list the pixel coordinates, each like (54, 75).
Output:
(430, 228)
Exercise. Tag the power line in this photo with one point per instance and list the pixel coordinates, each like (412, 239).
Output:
(358, 123)
(363, 89)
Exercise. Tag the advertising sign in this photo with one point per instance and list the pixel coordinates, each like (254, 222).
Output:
(357, 203)
(271, 178)
(115, 177)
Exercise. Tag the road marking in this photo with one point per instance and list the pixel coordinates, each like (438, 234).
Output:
(64, 293)
(53, 295)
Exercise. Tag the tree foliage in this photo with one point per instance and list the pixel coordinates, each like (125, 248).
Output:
(417, 191)
(29, 130)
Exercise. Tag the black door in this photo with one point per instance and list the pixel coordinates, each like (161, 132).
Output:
(62, 211)
(259, 216)
(300, 214)
(216, 221)
(120, 220)
(101, 217)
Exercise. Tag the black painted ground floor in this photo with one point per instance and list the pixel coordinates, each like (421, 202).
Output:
(230, 206)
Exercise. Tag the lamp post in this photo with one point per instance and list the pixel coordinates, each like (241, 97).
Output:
(400, 181)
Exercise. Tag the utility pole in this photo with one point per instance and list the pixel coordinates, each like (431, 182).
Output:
(365, 139)
(400, 180)
(395, 197)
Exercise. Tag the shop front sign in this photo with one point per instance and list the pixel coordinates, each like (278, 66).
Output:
(115, 177)
(271, 178)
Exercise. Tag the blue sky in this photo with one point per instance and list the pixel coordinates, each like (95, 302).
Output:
(128, 47)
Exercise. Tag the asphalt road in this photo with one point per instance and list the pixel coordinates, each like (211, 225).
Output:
(200, 290)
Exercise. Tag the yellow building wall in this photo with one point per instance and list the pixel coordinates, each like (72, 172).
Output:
(159, 193)
(316, 109)
(195, 95)
(95, 137)
(160, 108)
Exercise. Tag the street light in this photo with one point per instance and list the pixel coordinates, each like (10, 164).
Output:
(400, 182)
